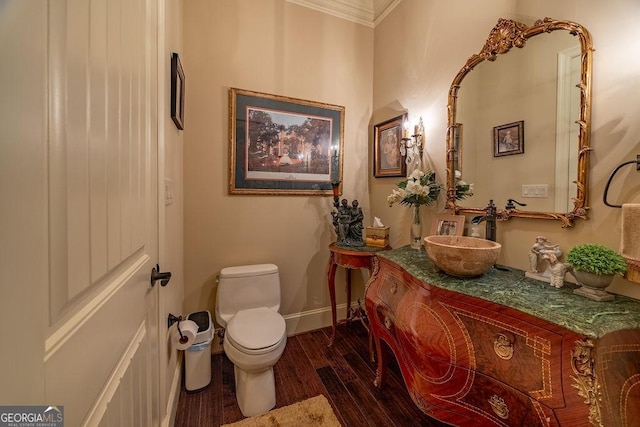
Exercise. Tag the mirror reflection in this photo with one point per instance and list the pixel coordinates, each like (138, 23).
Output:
(519, 122)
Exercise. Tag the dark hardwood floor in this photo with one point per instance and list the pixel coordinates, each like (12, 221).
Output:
(344, 374)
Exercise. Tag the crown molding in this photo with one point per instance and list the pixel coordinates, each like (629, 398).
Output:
(364, 12)
(381, 8)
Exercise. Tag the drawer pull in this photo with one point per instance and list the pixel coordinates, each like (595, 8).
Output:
(503, 347)
(394, 288)
(387, 322)
(499, 407)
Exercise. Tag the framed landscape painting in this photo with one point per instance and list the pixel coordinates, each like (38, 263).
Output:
(283, 146)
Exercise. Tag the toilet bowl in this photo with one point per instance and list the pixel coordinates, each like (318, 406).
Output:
(247, 306)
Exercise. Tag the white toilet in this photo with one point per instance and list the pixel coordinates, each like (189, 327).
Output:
(247, 306)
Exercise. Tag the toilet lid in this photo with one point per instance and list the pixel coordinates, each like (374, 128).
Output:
(256, 328)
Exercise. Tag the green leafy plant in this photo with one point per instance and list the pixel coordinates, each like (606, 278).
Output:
(596, 259)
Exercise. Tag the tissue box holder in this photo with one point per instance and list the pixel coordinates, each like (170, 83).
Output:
(377, 236)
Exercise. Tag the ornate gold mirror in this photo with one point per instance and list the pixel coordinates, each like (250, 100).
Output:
(542, 93)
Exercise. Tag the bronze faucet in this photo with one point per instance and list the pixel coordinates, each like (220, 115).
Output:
(490, 216)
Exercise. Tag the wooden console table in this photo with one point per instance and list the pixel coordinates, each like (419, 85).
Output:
(349, 258)
(503, 349)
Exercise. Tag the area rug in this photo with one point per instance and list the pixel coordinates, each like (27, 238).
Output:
(311, 412)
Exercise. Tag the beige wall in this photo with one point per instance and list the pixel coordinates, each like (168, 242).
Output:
(438, 37)
(280, 48)
(275, 47)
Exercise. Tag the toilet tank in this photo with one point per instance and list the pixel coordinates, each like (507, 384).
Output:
(244, 287)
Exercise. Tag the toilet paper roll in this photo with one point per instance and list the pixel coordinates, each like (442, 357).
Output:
(185, 337)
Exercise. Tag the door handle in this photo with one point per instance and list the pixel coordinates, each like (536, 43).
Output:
(157, 275)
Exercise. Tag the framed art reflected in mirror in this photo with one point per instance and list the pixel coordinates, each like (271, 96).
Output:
(387, 159)
(508, 139)
(457, 147)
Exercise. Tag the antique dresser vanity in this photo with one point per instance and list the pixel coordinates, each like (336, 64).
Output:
(502, 349)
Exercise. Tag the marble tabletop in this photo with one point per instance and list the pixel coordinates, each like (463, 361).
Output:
(512, 289)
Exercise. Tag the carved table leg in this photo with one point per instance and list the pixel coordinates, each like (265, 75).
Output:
(372, 355)
(381, 371)
(332, 294)
(348, 290)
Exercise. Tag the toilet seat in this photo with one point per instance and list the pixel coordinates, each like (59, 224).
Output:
(256, 330)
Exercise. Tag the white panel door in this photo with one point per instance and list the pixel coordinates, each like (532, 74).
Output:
(101, 345)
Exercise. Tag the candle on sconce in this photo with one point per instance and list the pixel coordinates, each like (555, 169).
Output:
(406, 130)
(416, 130)
(335, 186)
(334, 151)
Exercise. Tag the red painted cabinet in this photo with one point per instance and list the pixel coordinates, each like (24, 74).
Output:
(469, 361)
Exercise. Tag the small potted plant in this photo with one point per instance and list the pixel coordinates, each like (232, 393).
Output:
(594, 267)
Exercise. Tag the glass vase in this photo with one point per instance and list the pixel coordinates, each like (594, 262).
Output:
(416, 229)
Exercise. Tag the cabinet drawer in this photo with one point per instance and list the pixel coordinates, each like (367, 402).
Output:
(391, 289)
(525, 356)
(496, 403)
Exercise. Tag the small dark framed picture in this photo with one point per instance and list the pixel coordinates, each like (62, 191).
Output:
(508, 139)
(387, 158)
(177, 91)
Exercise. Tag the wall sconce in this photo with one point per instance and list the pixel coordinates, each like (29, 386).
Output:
(412, 146)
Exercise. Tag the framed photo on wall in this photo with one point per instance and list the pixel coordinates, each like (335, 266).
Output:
(447, 225)
(177, 91)
(508, 139)
(387, 137)
(283, 146)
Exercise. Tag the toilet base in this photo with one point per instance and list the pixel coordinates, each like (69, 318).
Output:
(255, 391)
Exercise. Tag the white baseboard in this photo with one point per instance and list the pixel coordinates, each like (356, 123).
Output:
(311, 320)
(303, 321)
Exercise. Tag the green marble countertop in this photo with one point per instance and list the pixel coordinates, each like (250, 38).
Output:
(512, 289)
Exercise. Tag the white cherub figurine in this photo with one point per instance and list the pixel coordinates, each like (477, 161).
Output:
(558, 269)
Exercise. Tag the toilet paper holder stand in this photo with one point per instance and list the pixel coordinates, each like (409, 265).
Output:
(173, 319)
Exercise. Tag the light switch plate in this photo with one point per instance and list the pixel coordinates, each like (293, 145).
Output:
(168, 192)
(535, 190)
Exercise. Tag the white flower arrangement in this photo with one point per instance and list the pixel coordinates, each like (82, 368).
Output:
(420, 188)
(463, 190)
